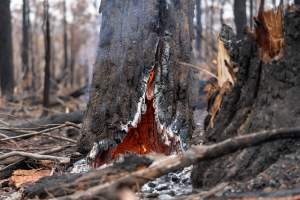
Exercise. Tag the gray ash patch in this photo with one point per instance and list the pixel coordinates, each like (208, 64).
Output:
(169, 186)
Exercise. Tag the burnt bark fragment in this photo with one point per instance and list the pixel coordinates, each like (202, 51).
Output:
(264, 97)
(136, 37)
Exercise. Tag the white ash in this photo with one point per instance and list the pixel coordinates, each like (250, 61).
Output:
(169, 186)
(81, 166)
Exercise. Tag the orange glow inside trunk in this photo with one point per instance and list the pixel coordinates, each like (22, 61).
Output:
(143, 139)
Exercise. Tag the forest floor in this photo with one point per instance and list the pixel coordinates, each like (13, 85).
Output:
(51, 139)
(16, 172)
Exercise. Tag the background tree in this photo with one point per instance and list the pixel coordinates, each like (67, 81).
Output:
(47, 41)
(25, 38)
(240, 17)
(251, 13)
(199, 24)
(65, 35)
(6, 57)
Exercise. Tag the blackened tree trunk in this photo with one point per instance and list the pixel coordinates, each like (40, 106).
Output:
(25, 38)
(47, 41)
(264, 97)
(240, 17)
(140, 40)
(199, 24)
(6, 57)
(297, 2)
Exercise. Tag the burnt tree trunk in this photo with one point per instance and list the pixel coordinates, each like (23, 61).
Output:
(199, 24)
(265, 96)
(47, 41)
(65, 36)
(240, 17)
(141, 43)
(25, 38)
(6, 55)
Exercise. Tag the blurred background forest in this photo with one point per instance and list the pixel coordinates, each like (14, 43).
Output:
(54, 44)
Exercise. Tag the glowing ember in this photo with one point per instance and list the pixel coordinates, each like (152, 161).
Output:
(145, 137)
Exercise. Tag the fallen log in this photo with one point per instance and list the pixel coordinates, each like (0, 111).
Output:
(134, 180)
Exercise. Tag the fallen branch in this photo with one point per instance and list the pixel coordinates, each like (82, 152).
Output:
(15, 162)
(41, 132)
(175, 162)
(70, 119)
(60, 138)
(63, 160)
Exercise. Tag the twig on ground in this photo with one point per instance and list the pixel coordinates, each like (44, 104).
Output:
(73, 125)
(38, 132)
(60, 138)
(4, 123)
(63, 160)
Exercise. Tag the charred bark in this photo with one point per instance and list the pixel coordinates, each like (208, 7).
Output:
(138, 37)
(265, 96)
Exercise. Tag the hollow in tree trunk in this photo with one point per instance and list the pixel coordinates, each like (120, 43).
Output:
(140, 97)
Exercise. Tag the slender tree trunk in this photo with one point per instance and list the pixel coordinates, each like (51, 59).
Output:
(240, 17)
(207, 49)
(47, 41)
(212, 23)
(25, 39)
(72, 57)
(199, 25)
(66, 64)
(136, 46)
(6, 56)
(34, 58)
